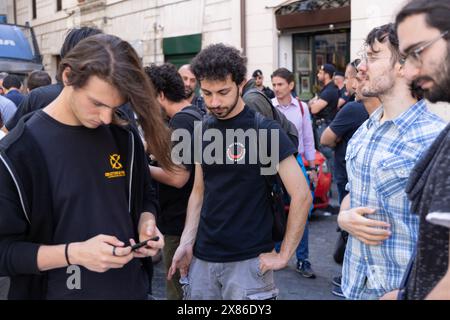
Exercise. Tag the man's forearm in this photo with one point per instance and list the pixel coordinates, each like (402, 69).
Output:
(328, 143)
(298, 214)
(192, 219)
(145, 217)
(51, 257)
(175, 179)
(345, 204)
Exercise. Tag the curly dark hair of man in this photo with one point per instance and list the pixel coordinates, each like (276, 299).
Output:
(166, 79)
(217, 62)
(385, 34)
(116, 62)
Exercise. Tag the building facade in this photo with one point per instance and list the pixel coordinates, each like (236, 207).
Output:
(298, 35)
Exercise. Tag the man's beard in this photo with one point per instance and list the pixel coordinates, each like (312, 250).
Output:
(228, 111)
(375, 89)
(188, 92)
(416, 90)
(441, 88)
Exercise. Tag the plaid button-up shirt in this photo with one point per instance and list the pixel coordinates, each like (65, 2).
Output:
(379, 159)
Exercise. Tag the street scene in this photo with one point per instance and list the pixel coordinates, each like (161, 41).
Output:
(224, 150)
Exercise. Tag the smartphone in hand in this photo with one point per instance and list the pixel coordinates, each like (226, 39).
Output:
(143, 243)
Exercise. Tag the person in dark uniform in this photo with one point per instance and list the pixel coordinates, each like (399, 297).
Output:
(324, 108)
(259, 82)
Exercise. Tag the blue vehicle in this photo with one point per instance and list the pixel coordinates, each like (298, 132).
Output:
(19, 52)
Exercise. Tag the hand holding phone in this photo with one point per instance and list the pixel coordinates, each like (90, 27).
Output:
(143, 243)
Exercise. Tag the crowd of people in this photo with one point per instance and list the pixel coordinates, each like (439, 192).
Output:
(116, 162)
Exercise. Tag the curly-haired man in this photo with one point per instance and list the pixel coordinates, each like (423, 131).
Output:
(228, 227)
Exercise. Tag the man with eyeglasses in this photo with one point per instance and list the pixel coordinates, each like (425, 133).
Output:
(379, 158)
(423, 30)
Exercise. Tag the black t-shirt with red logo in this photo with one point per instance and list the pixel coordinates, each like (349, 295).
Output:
(236, 219)
(89, 182)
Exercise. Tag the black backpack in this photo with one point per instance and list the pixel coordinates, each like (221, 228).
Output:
(276, 193)
(193, 113)
(287, 126)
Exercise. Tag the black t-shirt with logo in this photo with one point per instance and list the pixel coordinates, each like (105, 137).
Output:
(329, 93)
(173, 201)
(89, 182)
(236, 219)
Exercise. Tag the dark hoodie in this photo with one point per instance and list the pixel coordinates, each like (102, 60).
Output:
(26, 205)
(428, 189)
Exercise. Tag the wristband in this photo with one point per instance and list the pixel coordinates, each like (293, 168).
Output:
(66, 253)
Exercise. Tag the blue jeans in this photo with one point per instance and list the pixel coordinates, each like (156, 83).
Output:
(341, 190)
(302, 251)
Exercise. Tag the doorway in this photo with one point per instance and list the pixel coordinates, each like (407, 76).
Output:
(311, 50)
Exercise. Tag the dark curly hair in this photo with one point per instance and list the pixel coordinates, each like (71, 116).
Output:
(217, 62)
(385, 34)
(166, 79)
(76, 35)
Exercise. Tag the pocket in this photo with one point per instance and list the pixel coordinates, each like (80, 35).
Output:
(391, 176)
(376, 278)
(352, 150)
(350, 155)
(266, 293)
(256, 267)
(186, 287)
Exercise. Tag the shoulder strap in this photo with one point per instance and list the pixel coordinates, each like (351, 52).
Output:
(301, 106)
(259, 118)
(192, 113)
(255, 90)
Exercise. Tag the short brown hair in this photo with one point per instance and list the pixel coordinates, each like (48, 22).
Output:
(38, 79)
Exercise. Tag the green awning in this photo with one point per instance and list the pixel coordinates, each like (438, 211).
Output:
(191, 44)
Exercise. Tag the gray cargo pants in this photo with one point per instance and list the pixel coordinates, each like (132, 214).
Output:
(241, 280)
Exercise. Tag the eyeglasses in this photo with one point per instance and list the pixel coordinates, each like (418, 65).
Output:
(414, 55)
(365, 58)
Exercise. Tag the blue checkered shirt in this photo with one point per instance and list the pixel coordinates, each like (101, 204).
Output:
(379, 159)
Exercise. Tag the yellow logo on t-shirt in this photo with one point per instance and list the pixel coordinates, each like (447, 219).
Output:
(114, 161)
